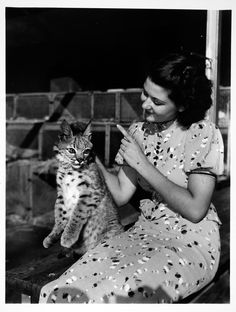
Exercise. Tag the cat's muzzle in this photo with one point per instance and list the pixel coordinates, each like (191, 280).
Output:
(55, 150)
(81, 161)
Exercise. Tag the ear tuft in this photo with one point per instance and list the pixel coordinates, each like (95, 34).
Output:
(66, 131)
(88, 131)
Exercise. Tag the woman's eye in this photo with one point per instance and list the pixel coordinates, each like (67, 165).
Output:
(71, 150)
(156, 102)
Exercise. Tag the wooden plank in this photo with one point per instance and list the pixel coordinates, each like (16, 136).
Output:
(29, 278)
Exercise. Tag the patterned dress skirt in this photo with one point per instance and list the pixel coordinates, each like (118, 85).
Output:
(161, 259)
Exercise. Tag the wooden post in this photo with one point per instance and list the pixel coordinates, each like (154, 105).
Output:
(117, 107)
(107, 143)
(213, 39)
(92, 105)
(14, 114)
(40, 143)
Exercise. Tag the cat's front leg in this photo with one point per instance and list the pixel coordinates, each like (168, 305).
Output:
(71, 234)
(53, 237)
(60, 223)
(74, 226)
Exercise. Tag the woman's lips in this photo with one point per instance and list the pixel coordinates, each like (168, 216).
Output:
(148, 112)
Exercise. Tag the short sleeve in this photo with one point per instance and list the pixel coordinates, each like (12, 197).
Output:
(204, 148)
(135, 131)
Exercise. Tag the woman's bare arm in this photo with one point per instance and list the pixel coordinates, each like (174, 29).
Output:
(192, 203)
(121, 187)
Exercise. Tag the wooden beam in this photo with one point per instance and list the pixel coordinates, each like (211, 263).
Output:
(213, 40)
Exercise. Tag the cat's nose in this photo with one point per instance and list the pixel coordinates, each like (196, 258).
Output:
(79, 158)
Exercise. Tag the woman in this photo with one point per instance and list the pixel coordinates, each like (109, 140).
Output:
(173, 249)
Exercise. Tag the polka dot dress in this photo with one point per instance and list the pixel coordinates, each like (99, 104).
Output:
(163, 257)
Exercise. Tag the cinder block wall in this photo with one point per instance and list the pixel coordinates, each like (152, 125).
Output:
(33, 122)
(33, 119)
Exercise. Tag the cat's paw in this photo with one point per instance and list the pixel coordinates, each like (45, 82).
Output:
(67, 241)
(47, 242)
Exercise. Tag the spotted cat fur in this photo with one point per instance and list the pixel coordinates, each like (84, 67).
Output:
(85, 213)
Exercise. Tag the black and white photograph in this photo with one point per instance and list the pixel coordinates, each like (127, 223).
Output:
(117, 182)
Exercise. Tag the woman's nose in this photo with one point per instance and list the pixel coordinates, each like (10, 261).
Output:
(147, 104)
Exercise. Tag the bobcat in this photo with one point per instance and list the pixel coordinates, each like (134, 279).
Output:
(85, 213)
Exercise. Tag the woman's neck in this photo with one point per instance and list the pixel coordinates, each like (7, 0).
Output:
(163, 125)
(151, 128)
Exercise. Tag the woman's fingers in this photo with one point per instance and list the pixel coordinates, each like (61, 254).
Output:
(122, 147)
(121, 152)
(125, 133)
(125, 142)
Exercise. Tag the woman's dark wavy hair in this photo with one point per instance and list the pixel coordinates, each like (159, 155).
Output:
(184, 76)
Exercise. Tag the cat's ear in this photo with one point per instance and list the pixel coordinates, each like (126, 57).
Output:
(88, 131)
(66, 132)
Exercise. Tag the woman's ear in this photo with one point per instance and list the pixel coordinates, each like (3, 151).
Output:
(181, 109)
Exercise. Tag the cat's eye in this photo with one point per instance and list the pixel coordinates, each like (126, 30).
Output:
(86, 151)
(71, 150)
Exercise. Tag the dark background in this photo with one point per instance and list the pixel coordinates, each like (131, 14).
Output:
(100, 48)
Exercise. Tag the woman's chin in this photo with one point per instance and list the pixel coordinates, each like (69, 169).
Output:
(150, 118)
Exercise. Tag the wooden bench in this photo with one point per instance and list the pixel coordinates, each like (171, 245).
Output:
(28, 278)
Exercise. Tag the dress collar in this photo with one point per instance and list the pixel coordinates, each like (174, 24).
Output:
(156, 127)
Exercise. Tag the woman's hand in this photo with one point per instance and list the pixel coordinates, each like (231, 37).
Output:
(131, 151)
(120, 185)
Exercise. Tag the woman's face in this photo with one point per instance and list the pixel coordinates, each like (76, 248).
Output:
(156, 103)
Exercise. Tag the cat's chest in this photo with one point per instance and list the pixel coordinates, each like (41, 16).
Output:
(73, 184)
(69, 183)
